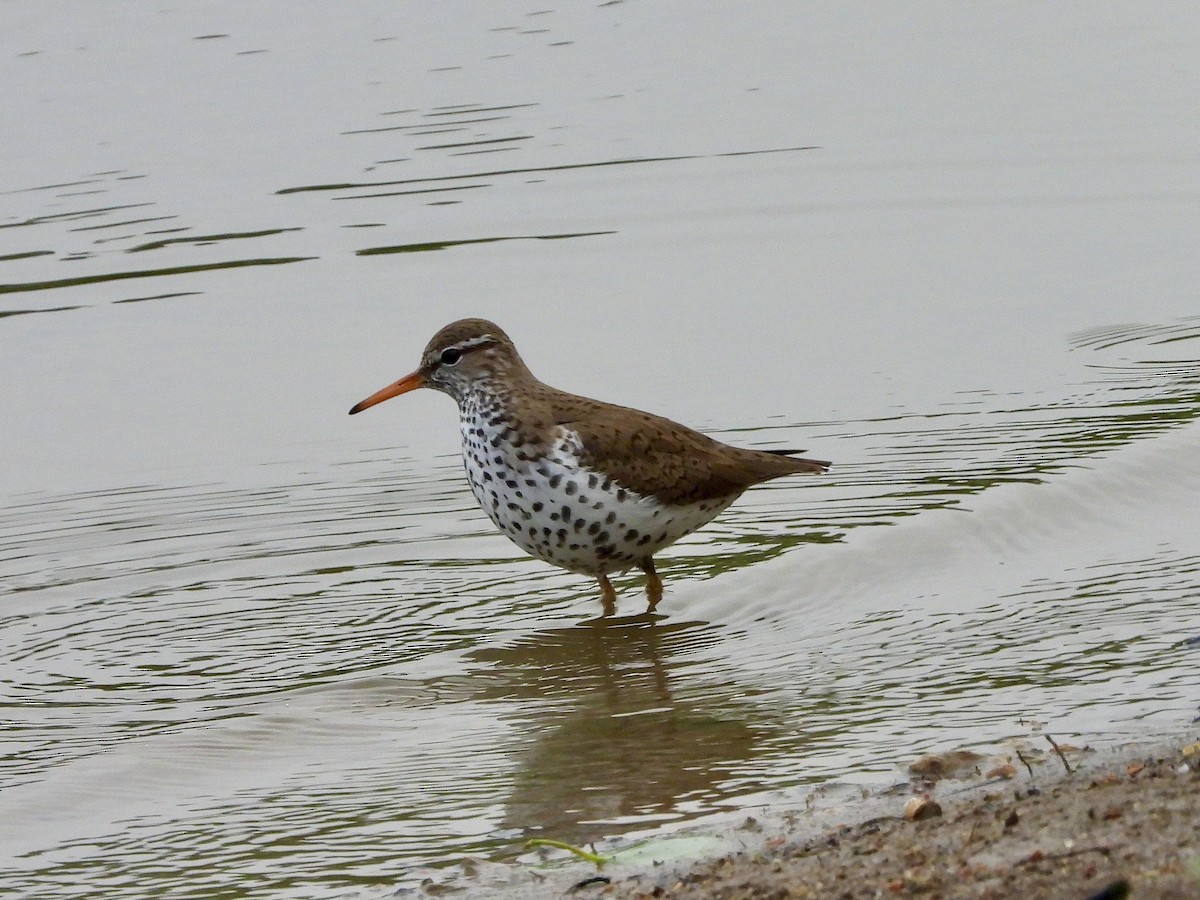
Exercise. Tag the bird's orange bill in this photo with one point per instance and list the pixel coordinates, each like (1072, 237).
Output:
(403, 386)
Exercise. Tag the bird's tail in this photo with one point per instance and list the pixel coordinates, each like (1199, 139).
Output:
(816, 466)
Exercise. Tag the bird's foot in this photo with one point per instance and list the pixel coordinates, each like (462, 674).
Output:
(654, 585)
(608, 596)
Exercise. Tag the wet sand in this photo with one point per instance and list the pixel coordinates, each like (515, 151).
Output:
(1118, 823)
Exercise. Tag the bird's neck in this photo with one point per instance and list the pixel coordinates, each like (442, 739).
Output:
(521, 414)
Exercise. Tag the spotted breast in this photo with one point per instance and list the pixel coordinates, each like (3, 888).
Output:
(558, 509)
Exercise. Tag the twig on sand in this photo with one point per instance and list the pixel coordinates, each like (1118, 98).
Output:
(1061, 755)
(1038, 856)
(1028, 767)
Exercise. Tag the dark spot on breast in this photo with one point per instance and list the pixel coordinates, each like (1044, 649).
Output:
(643, 540)
(533, 531)
(579, 523)
(570, 489)
(620, 495)
(593, 481)
(594, 528)
(566, 513)
(607, 486)
(487, 476)
(598, 505)
(529, 482)
(631, 535)
(574, 546)
(512, 482)
(603, 537)
(555, 481)
(605, 552)
(610, 518)
(537, 507)
(583, 498)
(553, 517)
(513, 526)
(498, 459)
(561, 534)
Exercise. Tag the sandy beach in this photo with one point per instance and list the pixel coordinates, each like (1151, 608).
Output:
(1099, 825)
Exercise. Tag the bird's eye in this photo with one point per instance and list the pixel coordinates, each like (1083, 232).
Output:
(450, 356)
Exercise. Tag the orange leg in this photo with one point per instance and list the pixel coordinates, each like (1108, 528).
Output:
(607, 595)
(654, 585)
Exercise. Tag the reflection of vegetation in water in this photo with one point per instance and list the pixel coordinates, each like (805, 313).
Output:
(146, 273)
(442, 245)
(25, 312)
(754, 548)
(524, 170)
(491, 173)
(208, 238)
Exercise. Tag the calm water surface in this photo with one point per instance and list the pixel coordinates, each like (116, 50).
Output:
(251, 647)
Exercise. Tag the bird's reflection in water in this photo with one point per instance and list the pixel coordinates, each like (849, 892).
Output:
(622, 732)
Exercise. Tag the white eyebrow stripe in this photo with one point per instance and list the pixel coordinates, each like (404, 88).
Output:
(471, 343)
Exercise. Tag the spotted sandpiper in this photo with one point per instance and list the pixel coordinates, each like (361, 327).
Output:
(589, 486)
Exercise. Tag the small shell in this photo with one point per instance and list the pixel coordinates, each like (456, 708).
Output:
(918, 809)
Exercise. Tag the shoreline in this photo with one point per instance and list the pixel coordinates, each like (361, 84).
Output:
(1070, 822)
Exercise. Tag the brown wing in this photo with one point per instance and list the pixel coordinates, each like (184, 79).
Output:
(655, 456)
